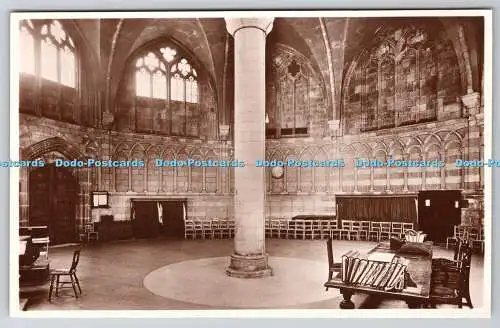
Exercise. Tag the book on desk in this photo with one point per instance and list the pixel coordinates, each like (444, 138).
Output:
(377, 270)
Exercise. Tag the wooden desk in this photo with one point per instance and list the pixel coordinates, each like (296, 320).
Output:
(419, 270)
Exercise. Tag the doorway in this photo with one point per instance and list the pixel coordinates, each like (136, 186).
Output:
(438, 212)
(158, 217)
(53, 194)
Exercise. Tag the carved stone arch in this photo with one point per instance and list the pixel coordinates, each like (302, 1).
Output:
(121, 147)
(83, 175)
(414, 141)
(57, 144)
(379, 146)
(395, 143)
(362, 148)
(137, 147)
(453, 134)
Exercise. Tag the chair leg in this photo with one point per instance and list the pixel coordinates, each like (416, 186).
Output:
(57, 285)
(52, 278)
(77, 282)
(73, 284)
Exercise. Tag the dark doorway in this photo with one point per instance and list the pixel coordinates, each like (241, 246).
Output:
(53, 197)
(438, 212)
(152, 218)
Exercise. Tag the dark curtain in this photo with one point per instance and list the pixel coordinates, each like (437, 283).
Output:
(386, 209)
(173, 218)
(145, 221)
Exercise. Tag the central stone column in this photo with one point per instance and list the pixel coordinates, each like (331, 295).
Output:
(249, 259)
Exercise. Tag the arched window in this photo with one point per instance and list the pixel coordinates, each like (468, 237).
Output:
(167, 95)
(163, 70)
(395, 82)
(54, 48)
(48, 67)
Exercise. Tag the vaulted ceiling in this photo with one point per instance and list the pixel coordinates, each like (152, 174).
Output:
(331, 44)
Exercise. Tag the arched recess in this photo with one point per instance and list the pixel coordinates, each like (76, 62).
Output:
(69, 152)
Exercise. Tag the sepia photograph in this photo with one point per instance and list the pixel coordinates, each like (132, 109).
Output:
(297, 163)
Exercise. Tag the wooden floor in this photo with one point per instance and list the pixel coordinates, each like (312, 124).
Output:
(112, 274)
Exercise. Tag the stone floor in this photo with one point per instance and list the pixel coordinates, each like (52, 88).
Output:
(112, 277)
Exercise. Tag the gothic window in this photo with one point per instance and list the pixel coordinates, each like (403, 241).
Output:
(48, 67)
(55, 49)
(167, 97)
(153, 78)
(396, 81)
(292, 104)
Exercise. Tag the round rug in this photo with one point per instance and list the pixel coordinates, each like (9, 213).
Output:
(204, 281)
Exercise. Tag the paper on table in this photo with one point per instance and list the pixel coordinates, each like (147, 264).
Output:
(381, 257)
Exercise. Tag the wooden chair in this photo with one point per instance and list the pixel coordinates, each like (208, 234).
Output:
(55, 277)
(274, 227)
(374, 233)
(189, 230)
(385, 230)
(198, 228)
(267, 227)
(231, 224)
(438, 263)
(397, 230)
(332, 266)
(450, 284)
(345, 231)
(308, 229)
(365, 230)
(316, 229)
(207, 228)
(283, 228)
(334, 230)
(224, 231)
(324, 229)
(299, 229)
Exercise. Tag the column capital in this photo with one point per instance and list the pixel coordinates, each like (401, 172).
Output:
(265, 24)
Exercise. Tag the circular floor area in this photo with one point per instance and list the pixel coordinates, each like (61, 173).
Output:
(204, 281)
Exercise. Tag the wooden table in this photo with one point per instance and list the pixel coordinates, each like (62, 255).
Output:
(419, 270)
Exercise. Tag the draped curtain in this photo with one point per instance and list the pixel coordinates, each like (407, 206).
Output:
(386, 209)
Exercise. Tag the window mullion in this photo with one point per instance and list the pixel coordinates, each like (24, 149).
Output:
(185, 107)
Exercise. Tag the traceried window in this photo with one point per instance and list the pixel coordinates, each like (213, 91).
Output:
(163, 74)
(166, 93)
(49, 43)
(396, 82)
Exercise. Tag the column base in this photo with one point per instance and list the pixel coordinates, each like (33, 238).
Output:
(249, 266)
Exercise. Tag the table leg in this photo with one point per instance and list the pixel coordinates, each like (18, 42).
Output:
(414, 304)
(346, 303)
